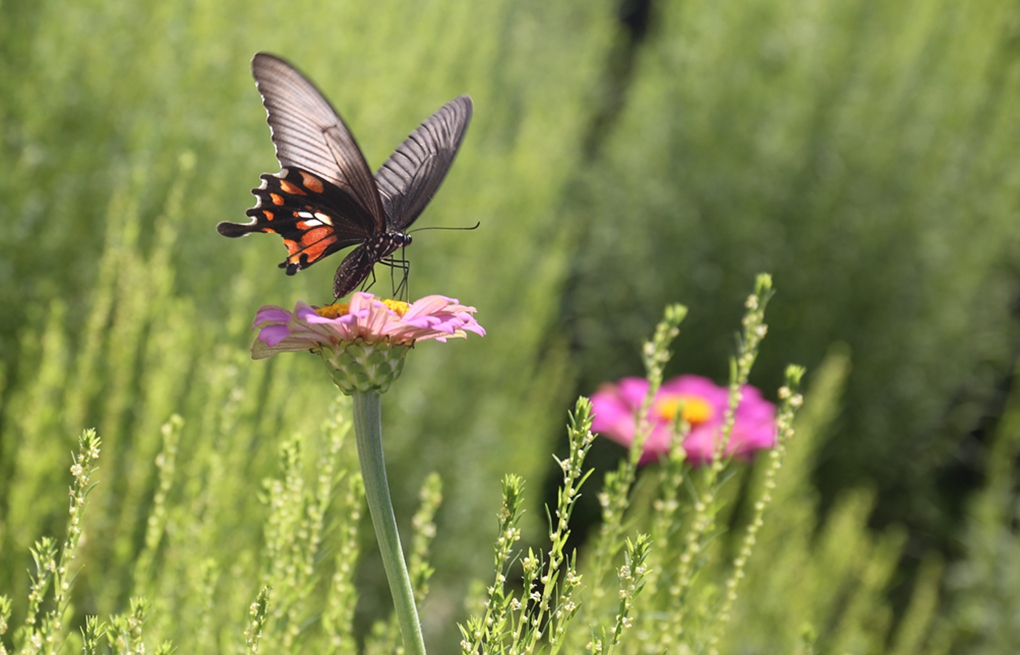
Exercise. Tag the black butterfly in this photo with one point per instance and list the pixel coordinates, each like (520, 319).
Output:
(325, 197)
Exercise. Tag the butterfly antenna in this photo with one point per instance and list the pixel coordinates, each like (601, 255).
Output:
(422, 229)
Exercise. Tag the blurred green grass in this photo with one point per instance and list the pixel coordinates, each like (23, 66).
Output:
(863, 154)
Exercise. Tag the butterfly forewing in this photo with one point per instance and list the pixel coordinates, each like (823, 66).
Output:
(413, 173)
(309, 134)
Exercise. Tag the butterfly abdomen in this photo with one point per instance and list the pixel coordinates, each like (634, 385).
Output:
(357, 266)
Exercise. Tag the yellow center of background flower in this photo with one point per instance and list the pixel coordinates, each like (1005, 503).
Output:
(696, 410)
(339, 309)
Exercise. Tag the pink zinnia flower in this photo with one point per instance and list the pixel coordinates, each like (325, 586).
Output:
(704, 407)
(364, 341)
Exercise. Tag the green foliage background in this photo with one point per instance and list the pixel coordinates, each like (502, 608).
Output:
(864, 154)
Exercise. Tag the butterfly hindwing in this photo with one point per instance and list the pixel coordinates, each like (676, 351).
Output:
(309, 134)
(314, 217)
(413, 173)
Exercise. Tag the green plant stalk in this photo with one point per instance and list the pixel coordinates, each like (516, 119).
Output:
(368, 431)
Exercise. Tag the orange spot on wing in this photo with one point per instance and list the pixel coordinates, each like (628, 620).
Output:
(314, 243)
(312, 182)
(277, 199)
(292, 247)
(315, 235)
(268, 214)
(292, 189)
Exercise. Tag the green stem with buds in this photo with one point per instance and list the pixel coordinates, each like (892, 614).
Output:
(368, 429)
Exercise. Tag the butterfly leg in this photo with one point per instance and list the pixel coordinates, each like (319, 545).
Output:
(402, 289)
(369, 280)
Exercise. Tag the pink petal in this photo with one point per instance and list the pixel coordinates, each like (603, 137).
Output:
(428, 305)
(615, 405)
(270, 314)
(273, 334)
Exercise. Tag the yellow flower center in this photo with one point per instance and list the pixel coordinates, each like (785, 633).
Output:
(398, 307)
(339, 309)
(335, 310)
(696, 410)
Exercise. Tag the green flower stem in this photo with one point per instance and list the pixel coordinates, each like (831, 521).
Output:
(368, 430)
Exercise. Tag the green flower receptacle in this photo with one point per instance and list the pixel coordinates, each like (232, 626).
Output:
(365, 367)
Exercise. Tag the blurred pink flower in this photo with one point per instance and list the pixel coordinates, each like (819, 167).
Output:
(704, 407)
(366, 318)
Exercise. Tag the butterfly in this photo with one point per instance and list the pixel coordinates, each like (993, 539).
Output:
(325, 197)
